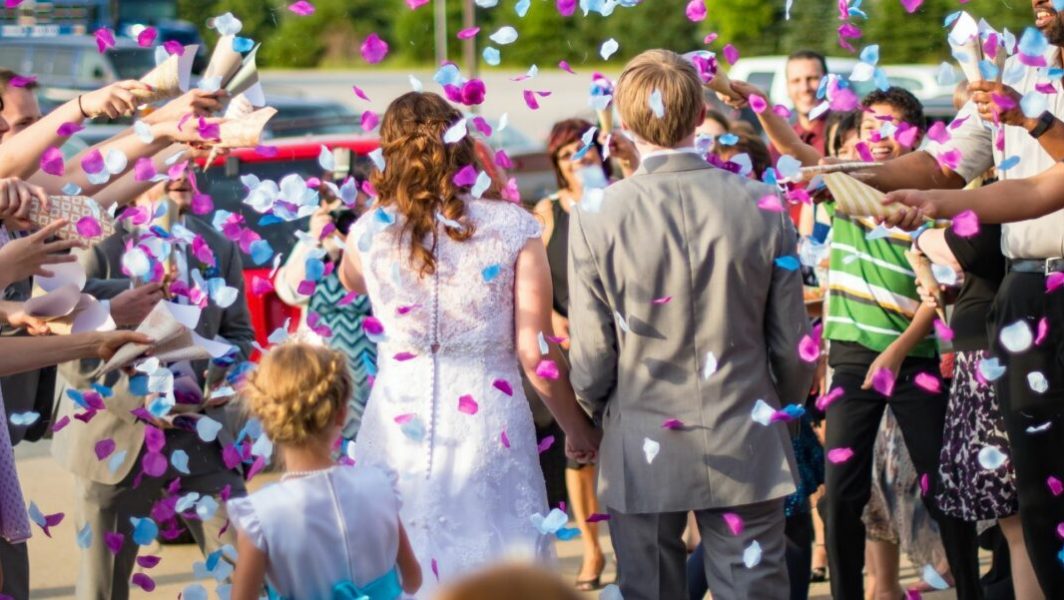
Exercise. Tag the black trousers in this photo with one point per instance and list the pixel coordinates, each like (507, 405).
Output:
(1034, 421)
(853, 421)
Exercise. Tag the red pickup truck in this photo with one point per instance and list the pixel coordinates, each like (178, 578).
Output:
(297, 155)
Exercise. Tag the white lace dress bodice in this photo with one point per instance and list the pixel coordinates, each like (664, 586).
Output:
(447, 410)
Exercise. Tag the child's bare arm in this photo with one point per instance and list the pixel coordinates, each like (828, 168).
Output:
(409, 569)
(250, 572)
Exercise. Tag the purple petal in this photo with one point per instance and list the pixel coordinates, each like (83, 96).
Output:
(302, 8)
(113, 541)
(467, 405)
(467, 33)
(52, 162)
(545, 444)
(143, 581)
(92, 162)
(174, 48)
(374, 49)
(105, 39)
(145, 39)
(466, 176)
(503, 386)
(144, 169)
(358, 92)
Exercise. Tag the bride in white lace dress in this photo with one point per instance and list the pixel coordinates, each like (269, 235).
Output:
(462, 293)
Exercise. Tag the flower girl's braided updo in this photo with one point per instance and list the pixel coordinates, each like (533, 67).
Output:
(298, 392)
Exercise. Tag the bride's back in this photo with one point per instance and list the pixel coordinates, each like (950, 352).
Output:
(466, 305)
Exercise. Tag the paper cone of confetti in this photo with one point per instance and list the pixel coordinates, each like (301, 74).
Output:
(968, 56)
(169, 79)
(245, 132)
(855, 198)
(600, 97)
(246, 76)
(922, 267)
(239, 107)
(97, 224)
(846, 167)
(224, 63)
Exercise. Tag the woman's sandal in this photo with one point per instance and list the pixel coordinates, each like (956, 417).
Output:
(818, 575)
(589, 585)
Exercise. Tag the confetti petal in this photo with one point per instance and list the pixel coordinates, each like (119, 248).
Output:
(609, 47)
(1055, 485)
(467, 405)
(1016, 337)
(966, 224)
(302, 8)
(696, 10)
(883, 381)
(105, 39)
(839, 455)
(374, 49)
(52, 162)
(547, 369)
(991, 457)
(752, 555)
(545, 444)
(734, 522)
(651, 449)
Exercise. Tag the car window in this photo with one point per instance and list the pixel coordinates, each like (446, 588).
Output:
(132, 63)
(92, 67)
(56, 62)
(15, 58)
(762, 80)
(228, 193)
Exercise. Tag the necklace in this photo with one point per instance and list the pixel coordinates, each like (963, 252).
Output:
(297, 474)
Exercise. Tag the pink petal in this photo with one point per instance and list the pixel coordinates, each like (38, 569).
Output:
(105, 39)
(302, 8)
(1060, 530)
(435, 569)
(154, 464)
(143, 581)
(374, 49)
(143, 169)
(839, 455)
(545, 444)
(966, 224)
(823, 402)
(467, 33)
(597, 517)
(174, 48)
(68, 129)
(145, 39)
(1054, 282)
(566, 7)
(938, 133)
(864, 152)
(710, 38)
(883, 381)
(731, 54)
(770, 203)
(530, 99)
(348, 298)
(92, 162)
(1043, 331)
(88, 227)
(404, 418)
(482, 126)
(1055, 486)
(503, 160)
(416, 4)
(21, 81)
(925, 484)
(404, 356)
(104, 448)
(911, 5)
(696, 10)
(61, 423)
(372, 326)
(672, 424)
(370, 120)
(361, 94)
(467, 405)
(504, 439)
(928, 382)
(943, 331)
(503, 386)
(52, 162)
(949, 159)
(261, 285)
(465, 176)
(758, 104)
(906, 135)
(662, 300)
(734, 522)
(547, 369)
(563, 65)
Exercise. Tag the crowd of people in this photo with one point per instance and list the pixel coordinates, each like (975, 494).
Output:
(693, 341)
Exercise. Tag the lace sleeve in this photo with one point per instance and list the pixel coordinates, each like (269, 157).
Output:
(242, 515)
(519, 226)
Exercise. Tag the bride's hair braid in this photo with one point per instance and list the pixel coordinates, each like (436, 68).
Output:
(276, 391)
(418, 178)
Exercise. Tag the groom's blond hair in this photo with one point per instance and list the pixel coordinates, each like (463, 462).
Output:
(678, 83)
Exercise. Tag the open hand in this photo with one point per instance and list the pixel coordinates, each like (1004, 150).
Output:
(130, 307)
(888, 359)
(33, 325)
(113, 100)
(198, 103)
(27, 256)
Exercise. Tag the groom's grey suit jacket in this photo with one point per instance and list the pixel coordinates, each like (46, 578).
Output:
(680, 228)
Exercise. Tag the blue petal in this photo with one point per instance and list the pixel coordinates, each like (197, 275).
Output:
(789, 263)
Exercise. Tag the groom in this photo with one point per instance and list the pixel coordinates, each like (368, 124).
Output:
(686, 313)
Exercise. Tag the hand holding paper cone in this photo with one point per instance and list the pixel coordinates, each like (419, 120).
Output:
(922, 267)
(169, 79)
(857, 199)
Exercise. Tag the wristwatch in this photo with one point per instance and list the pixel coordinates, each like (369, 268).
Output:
(1045, 121)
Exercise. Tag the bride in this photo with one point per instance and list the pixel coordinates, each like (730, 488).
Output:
(462, 296)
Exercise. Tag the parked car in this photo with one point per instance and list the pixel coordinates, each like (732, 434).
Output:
(769, 74)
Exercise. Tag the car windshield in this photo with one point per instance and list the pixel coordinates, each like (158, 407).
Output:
(228, 193)
(295, 120)
(132, 63)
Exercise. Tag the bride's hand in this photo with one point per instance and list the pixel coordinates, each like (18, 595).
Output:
(583, 442)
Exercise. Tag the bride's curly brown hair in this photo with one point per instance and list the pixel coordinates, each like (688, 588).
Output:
(418, 176)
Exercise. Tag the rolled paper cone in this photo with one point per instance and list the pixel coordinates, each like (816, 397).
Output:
(999, 62)
(605, 119)
(224, 63)
(922, 267)
(721, 84)
(857, 199)
(239, 107)
(246, 76)
(73, 209)
(169, 79)
(210, 158)
(973, 53)
(846, 167)
(245, 132)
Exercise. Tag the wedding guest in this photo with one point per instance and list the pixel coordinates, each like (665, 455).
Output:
(351, 542)
(340, 322)
(866, 337)
(640, 361)
(574, 167)
(1032, 246)
(108, 493)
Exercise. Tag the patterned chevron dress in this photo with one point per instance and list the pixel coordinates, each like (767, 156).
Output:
(347, 335)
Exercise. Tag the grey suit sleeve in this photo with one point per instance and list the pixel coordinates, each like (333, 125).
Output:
(593, 350)
(236, 318)
(97, 268)
(786, 322)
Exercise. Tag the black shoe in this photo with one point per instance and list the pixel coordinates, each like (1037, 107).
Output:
(819, 575)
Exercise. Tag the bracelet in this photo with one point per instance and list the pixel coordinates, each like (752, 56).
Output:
(83, 115)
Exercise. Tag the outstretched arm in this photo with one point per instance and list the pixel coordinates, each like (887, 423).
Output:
(783, 138)
(1028, 199)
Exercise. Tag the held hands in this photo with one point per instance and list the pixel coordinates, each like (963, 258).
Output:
(582, 442)
(743, 91)
(15, 315)
(998, 103)
(112, 101)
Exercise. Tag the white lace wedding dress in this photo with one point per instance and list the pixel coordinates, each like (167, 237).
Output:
(447, 411)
